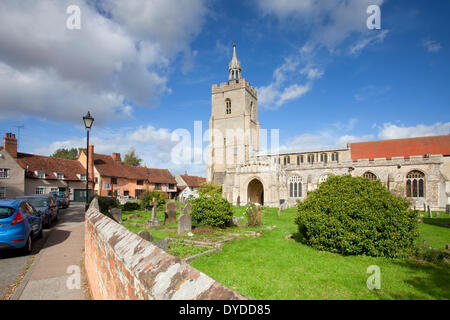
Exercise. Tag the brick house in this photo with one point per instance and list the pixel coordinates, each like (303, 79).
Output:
(112, 177)
(26, 174)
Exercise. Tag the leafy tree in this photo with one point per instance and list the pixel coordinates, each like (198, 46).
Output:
(132, 159)
(70, 154)
(210, 189)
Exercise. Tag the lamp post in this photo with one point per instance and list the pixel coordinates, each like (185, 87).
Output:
(88, 120)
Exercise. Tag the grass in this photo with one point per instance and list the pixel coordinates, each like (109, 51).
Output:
(271, 267)
(436, 231)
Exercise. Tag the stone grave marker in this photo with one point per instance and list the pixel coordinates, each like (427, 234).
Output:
(145, 235)
(238, 202)
(430, 215)
(184, 221)
(116, 214)
(170, 216)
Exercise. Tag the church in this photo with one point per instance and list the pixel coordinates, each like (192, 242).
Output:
(417, 168)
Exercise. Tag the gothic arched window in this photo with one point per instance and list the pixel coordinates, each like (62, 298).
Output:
(324, 157)
(335, 156)
(415, 184)
(228, 106)
(295, 187)
(310, 158)
(369, 175)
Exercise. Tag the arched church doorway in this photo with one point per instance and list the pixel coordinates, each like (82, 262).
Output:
(255, 192)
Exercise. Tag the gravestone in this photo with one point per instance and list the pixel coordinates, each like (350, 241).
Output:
(424, 207)
(430, 215)
(116, 214)
(145, 235)
(162, 244)
(170, 216)
(447, 209)
(184, 221)
(154, 222)
(238, 202)
(236, 220)
(438, 215)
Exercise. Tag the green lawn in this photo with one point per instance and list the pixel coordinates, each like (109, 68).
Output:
(270, 267)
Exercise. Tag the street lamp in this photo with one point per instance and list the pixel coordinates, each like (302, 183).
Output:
(88, 120)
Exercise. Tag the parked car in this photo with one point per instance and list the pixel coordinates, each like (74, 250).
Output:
(20, 224)
(44, 204)
(63, 197)
(54, 196)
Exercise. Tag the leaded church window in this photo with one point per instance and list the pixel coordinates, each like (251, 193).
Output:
(415, 184)
(228, 106)
(369, 175)
(295, 187)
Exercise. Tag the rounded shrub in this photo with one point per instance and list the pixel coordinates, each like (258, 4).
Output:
(211, 211)
(357, 216)
(105, 203)
(130, 206)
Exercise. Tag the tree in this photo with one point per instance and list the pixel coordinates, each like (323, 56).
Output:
(210, 189)
(71, 154)
(132, 159)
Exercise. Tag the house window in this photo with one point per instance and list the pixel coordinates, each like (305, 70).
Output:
(228, 106)
(324, 157)
(113, 180)
(40, 174)
(295, 187)
(4, 173)
(140, 182)
(39, 190)
(109, 193)
(107, 185)
(171, 186)
(95, 180)
(83, 177)
(369, 175)
(158, 186)
(415, 184)
(310, 158)
(59, 175)
(335, 156)
(2, 192)
(300, 159)
(126, 193)
(138, 193)
(53, 189)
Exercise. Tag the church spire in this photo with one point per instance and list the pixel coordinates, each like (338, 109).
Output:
(234, 68)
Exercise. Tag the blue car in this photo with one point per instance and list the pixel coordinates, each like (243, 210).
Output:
(45, 205)
(20, 224)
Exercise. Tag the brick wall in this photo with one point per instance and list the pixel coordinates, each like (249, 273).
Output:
(121, 265)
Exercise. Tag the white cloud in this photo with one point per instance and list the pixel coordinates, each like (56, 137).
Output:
(153, 145)
(49, 71)
(431, 45)
(330, 24)
(392, 131)
(371, 92)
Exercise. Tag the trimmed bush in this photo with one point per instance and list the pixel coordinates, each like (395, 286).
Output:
(147, 197)
(211, 211)
(357, 216)
(130, 206)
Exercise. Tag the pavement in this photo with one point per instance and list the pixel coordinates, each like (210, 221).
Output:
(56, 272)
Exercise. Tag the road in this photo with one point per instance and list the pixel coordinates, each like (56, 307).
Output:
(13, 264)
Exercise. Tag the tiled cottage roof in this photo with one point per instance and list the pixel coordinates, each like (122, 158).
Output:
(50, 165)
(193, 181)
(108, 167)
(401, 147)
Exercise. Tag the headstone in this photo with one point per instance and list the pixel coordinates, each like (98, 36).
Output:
(447, 247)
(162, 244)
(154, 209)
(116, 214)
(429, 213)
(238, 202)
(184, 221)
(236, 220)
(170, 216)
(447, 209)
(438, 215)
(145, 235)
(153, 223)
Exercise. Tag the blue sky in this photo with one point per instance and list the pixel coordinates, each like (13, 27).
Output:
(146, 69)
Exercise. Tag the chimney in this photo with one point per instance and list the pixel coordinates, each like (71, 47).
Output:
(91, 162)
(116, 157)
(10, 144)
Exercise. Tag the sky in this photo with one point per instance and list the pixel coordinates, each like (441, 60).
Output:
(144, 69)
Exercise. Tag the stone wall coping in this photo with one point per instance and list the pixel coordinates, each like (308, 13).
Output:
(157, 274)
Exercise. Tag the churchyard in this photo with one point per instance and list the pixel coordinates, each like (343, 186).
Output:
(270, 261)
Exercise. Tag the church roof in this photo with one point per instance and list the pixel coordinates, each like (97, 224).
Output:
(401, 147)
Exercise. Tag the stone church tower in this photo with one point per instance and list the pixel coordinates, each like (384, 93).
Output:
(234, 127)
